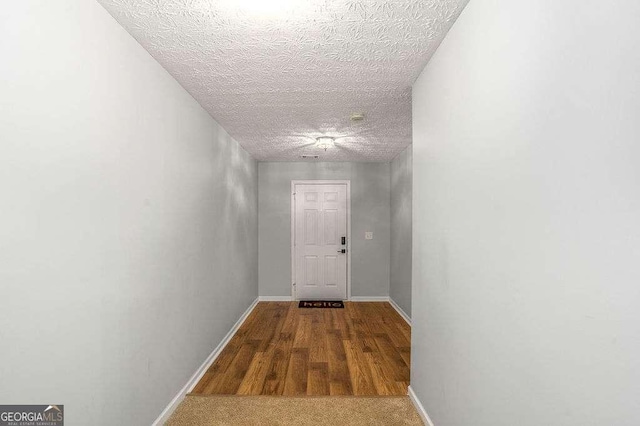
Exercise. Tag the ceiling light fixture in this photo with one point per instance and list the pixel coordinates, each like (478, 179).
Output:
(271, 9)
(324, 142)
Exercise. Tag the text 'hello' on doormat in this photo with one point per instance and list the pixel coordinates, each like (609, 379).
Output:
(321, 304)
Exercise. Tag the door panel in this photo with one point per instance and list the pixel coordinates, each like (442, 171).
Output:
(330, 270)
(320, 217)
(311, 270)
(330, 227)
(310, 227)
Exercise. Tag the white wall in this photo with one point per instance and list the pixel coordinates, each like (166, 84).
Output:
(526, 214)
(128, 225)
(400, 282)
(370, 204)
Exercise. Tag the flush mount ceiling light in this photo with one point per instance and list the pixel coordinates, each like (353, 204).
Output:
(270, 9)
(324, 142)
(357, 116)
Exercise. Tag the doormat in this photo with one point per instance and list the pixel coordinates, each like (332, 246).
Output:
(321, 304)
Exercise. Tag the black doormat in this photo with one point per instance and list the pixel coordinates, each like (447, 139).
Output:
(321, 304)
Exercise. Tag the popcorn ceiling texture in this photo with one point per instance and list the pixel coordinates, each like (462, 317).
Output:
(277, 81)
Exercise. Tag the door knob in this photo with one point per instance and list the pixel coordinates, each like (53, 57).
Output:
(342, 251)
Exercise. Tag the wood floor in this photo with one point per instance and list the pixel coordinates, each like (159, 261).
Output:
(280, 349)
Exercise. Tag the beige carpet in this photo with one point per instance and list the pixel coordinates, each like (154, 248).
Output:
(274, 410)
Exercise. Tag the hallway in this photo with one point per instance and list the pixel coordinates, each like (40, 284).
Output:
(464, 175)
(281, 349)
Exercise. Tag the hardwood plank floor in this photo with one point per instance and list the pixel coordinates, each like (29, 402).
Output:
(363, 349)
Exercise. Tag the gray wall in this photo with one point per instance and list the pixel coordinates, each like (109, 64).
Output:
(400, 283)
(370, 201)
(526, 203)
(128, 239)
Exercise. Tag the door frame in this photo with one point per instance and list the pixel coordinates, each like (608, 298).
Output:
(347, 183)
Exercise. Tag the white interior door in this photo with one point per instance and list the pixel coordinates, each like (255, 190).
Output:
(320, 224)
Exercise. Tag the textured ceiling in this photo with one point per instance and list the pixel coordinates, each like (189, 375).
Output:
(278, 73)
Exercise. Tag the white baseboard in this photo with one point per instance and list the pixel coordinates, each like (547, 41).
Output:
(402, 313)
(275, 298)
(419, 407)
(353, 299)
(369, 298)
(193, 381)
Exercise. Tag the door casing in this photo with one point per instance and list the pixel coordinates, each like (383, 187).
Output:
(347, 183)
